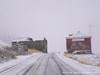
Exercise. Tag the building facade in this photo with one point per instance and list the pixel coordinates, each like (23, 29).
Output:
(79, 44)
(28, 43)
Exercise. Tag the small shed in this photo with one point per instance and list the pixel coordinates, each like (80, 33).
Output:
(78, 43)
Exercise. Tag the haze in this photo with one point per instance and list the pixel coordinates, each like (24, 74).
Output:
(53, 19)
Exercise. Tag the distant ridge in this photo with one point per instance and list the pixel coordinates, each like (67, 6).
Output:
(3, 44)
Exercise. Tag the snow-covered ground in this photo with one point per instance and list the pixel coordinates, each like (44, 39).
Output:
(5, 54)
(82, 66)
(16, 61)
(89, 59)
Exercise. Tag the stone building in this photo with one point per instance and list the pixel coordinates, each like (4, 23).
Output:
(23, 44)
(41, 45)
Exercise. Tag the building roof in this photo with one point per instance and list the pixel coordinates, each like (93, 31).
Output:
(77, 35)
(21, 39)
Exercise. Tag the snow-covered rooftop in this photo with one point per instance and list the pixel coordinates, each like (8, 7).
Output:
(20, 39)
(77, 35)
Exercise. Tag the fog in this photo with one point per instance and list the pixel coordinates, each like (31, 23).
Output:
(53, 19)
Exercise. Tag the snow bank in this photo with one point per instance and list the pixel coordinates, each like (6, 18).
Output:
(88, 59)
(15, 61)
(83, 69)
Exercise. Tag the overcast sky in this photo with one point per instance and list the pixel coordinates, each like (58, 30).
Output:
(53, 19)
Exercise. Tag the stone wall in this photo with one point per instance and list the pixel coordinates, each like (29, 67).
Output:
(40, 45)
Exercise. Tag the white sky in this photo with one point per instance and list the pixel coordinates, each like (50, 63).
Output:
(53, 19)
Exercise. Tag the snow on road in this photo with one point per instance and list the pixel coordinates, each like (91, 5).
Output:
(46, 64)
(15, 61)
(50, 64)
(36, 64)
(15, 66)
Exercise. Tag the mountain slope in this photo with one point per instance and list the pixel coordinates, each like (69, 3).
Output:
(3, 44)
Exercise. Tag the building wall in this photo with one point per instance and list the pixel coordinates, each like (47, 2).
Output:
(69, 43)
(22, 48)
(14, 46)
(83, 44)
(88, 43)
(40, 45)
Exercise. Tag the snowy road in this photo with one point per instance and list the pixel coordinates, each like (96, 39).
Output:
(40, 64)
